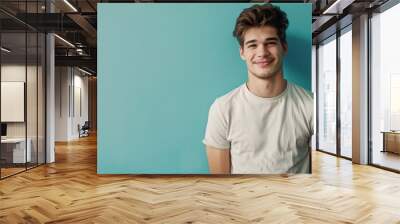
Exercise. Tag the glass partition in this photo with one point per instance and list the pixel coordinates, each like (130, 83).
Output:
(14, 153)
(22, 77)
(327, 95)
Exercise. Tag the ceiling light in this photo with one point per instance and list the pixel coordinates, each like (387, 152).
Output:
(333, 6)
(337, 7)
(65, 41)
(70, 5)
(5, 50)
(84, 71)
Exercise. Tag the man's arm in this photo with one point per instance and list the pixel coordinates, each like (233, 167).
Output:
(219, 160)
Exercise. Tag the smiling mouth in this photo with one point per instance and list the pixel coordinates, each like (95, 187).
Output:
(264, 63)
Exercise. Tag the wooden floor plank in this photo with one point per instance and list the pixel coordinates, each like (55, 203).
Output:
(70, 191)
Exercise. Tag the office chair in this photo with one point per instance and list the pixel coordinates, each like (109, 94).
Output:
(84, 130)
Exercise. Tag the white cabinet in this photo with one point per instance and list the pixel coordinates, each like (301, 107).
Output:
(18, 149)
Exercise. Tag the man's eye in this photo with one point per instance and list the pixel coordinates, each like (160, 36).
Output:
(271, 43)
(252, 46)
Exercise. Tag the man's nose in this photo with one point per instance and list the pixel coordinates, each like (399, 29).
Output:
(262, 51)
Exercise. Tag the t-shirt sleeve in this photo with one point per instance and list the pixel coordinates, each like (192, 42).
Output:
(217, 128)
(312, 124)
(312, 115)
(309, 103)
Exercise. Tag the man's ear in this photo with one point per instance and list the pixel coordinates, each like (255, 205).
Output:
(285, 48)
(241, 53)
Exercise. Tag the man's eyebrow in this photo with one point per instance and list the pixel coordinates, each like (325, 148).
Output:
(266, 39)
(250, 41)
(272, 39)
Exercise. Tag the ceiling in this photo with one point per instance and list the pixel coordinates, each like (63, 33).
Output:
(76, 22)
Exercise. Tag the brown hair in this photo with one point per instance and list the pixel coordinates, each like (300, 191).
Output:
(261, 15)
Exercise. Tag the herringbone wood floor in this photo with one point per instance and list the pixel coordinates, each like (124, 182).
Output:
(70, 191)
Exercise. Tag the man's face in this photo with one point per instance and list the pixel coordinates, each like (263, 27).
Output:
(263, 52)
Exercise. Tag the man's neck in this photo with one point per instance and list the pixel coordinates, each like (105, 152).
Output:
(266, 88)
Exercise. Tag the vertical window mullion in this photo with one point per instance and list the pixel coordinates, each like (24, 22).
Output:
(317, 97)
(26, 86)
(338, 73)
(0, 91)
(37, 90)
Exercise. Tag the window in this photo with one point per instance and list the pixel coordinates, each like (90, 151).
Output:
(346, 92)
(327, 95)
(385, 89)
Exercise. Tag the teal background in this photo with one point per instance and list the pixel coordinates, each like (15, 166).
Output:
(160, 67)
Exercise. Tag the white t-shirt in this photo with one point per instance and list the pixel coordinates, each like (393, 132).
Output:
(264, 135)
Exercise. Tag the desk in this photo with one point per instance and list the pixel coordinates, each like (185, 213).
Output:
(391, 141)
(17, 150)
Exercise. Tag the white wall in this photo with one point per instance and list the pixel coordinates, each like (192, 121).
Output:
(62, 81)
(80, 110)
(13, 72)
(71, 102)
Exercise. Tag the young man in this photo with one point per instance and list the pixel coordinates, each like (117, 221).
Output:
(265, 125)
